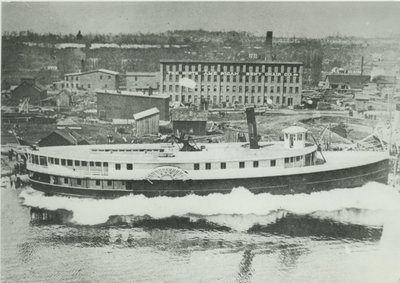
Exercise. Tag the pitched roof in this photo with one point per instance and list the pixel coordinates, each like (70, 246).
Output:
(34, 85)
(39, 87)
(66, 135)
(71, 136)
(146, 113)
(93, 71)
(144, 74)
(354, 81)
(185, 114)
(132, 93)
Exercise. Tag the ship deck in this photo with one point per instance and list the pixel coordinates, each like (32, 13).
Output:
(212, 152)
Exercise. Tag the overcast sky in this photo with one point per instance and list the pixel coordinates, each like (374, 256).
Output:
(311, 19)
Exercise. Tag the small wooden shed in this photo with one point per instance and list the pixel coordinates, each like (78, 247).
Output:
(147, 122)
(189, 121)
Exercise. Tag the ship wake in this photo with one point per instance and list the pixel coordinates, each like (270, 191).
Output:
(240, 210)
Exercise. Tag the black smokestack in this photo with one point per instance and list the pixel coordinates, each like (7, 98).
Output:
(83, 65)
(251, 123)
(362, 65)
(268, 46)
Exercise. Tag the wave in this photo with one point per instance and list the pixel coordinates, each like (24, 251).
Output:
(239, 210)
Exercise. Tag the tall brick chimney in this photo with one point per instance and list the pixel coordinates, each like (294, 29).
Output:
(268, 46)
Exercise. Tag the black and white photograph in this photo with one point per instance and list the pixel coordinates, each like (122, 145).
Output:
(185, 142)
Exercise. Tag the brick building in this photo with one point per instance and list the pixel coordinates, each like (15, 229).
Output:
(142, 81)
(124, 104)
(229, 83)
(92, 80)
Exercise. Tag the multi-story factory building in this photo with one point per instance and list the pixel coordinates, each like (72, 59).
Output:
(228, 83)
(92, 80)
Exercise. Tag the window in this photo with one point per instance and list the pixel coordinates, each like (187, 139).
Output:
(57, 161)
(91, 163)
(65, 180)
(299, 137)
(208, 166)
(63, 162)
(77, 163)
(255, 164)
(273, 163)
(223, 165)
(109, 77)
(129, 166)
(84, 163)
(98, 164)
(286, 159)
(109, 183)
(196, 166)
(101, 77)
(297, 158)
(241, 164)
(42, 161)
(79, 182)
(69, 162)
(97, 182)
(117, 166)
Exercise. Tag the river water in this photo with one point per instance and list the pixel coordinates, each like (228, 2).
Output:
(344, 235)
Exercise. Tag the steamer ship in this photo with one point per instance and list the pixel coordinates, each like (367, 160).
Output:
(294, 165)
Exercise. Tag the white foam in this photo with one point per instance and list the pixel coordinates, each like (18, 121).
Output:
(372, 196)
